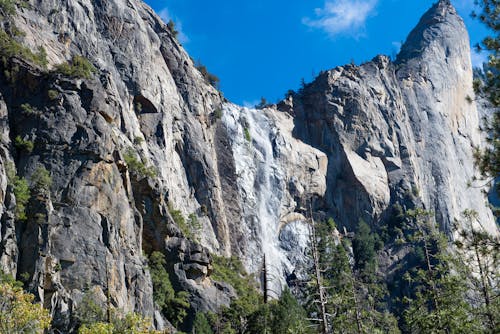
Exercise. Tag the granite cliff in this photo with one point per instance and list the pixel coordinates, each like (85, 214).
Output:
(145, 138)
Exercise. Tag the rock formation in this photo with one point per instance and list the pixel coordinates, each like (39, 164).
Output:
(147, 139)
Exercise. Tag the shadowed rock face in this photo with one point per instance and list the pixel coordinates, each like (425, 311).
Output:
(360, 139)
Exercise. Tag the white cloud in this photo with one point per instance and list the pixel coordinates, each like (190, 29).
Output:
(342, 17)
(165, 16)
(397, 46)
(478, 58)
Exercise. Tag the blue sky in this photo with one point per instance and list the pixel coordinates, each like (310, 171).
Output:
(262, 48)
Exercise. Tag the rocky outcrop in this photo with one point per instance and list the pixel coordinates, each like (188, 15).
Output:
(399, 132)
(146, 156)
(136, 153)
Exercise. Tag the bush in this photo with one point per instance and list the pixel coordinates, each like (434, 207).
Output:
(8, 7)
(171, 28)
(89, 311)
(41, 181)
(22, 193)
(78, 67)
(231, 270)
(131, 323)
(180, 221)
(27, 108)
(162, 288)
(173, 304)
(25, 145)
(246, 132)
(209, 77)
(18, 313)
(136, 166)
(9, 48)
(20, 189)
(218, 113)
(138, 140)
(364, 243)
(201, 324)
(52, 94)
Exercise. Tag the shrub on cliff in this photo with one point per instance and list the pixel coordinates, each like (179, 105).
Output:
(136, 166)
(18, 313)
(20, 189)
(78, 67)
(174, 305)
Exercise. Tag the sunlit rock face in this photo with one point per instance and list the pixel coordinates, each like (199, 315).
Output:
(399, 132)
(349, 145)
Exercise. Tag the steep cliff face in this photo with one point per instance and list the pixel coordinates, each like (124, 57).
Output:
(399, 132)
(146, 140)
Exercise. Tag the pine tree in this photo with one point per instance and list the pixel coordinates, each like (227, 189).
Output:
(488, 159)
(479, 255)
(352, 300)
(438, 303)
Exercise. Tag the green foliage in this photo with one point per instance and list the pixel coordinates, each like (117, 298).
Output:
(209, 77)
(89, 311)
(479, 262)
(27, 109)
(230, 270)
(177, 308)
(18, 313)
(353, 297)
(218, 113)
(262, 104)
(9, 279)
(136, 166)
(247, 135)
(41, 181)
(21, 191)
(93, 318)
(52, 94)
(488, 159)
(438, 305)
(284, 316)
(25, 145)
(162, 288)
(131, 323)
(8, 7)
(364, 250)
(96, 328)
(171, 28)
(9, 48)
(201, 324)
(436, 302)
(188, 227)
(174, 305)
(281, 316)
(180, 221)
(78, 67)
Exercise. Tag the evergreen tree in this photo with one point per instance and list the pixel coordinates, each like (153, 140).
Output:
(488, 159)
(478, 251)
(364, 251)
(353, 297)
(437, 304)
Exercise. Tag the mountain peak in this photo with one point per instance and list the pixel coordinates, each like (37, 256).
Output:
(440, 24)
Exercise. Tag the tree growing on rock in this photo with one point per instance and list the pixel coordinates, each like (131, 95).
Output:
(18, 312)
